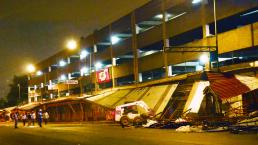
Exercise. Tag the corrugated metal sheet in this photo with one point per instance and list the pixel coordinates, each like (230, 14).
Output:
(226, 85)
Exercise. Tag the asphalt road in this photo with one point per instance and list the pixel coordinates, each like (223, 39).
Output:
(111, 134)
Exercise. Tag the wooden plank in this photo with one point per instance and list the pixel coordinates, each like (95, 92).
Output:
(82, 111)
(71, 107)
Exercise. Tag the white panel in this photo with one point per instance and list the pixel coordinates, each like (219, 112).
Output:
(196, 96)
(250, 82)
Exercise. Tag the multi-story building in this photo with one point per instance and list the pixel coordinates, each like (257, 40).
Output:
(159, 40)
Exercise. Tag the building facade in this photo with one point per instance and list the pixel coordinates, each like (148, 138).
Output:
(159, 40)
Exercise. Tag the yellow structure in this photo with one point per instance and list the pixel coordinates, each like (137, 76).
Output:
(156, 42)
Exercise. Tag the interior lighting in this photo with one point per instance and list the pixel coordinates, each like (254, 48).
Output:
(84, 54)
(160, 16)
(98, 65)
(250, 13)
(62, 63)
(39, 73)
(115, 39)
(196, 1)
(84, 70)
(62, 77)
(204, 59)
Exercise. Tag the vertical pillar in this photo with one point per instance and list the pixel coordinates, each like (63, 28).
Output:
(140, 77)
(114, 61)
(206, 30)
(69, 76)
(112, 57)
(216, 32)
(95, 50)
(137, 29)
(29, 99)
(170, 73)
(68, 60)
(134, 47)
(81, 89)
(80, 67)
(206, 33)
(165, 36)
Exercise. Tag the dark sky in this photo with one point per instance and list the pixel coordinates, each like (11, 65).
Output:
(32, 30)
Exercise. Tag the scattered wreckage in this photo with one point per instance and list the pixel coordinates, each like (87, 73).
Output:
(138, 114)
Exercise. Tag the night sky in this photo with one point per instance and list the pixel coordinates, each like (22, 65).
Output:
(33, 30)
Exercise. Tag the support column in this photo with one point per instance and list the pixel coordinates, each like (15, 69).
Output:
(165, 37)
(95, 49)
(81, 87)
(206, 30)
(29, 99)
(135, 48)
(68, 60)
(35, 99)
(140, 77)
(216, 32)
(170, 73)
(112, 58)
(206, 33)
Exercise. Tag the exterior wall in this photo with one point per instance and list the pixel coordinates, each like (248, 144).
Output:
(228, 41)
(235, 39)
(240, 38)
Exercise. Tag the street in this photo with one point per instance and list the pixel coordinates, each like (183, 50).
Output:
(98, 133)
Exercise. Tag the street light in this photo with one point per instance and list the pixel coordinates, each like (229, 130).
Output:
(71, 44)
(31, 68)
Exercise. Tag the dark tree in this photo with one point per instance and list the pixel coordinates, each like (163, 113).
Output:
(3, 102)
(18, 91)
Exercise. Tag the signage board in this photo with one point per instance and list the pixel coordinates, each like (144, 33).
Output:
(103, 76)
(71, 82)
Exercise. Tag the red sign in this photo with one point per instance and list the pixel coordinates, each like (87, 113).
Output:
(103, 75)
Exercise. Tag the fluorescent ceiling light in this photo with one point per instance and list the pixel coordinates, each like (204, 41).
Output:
(62, 63)
(196, 1)
(62, 77)
(252, 12)
(83, 54)
(39, 73)
(179, 15)
(98, 65)
(84, 70)
(115, 39)
(204, 59)
(160, 16)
